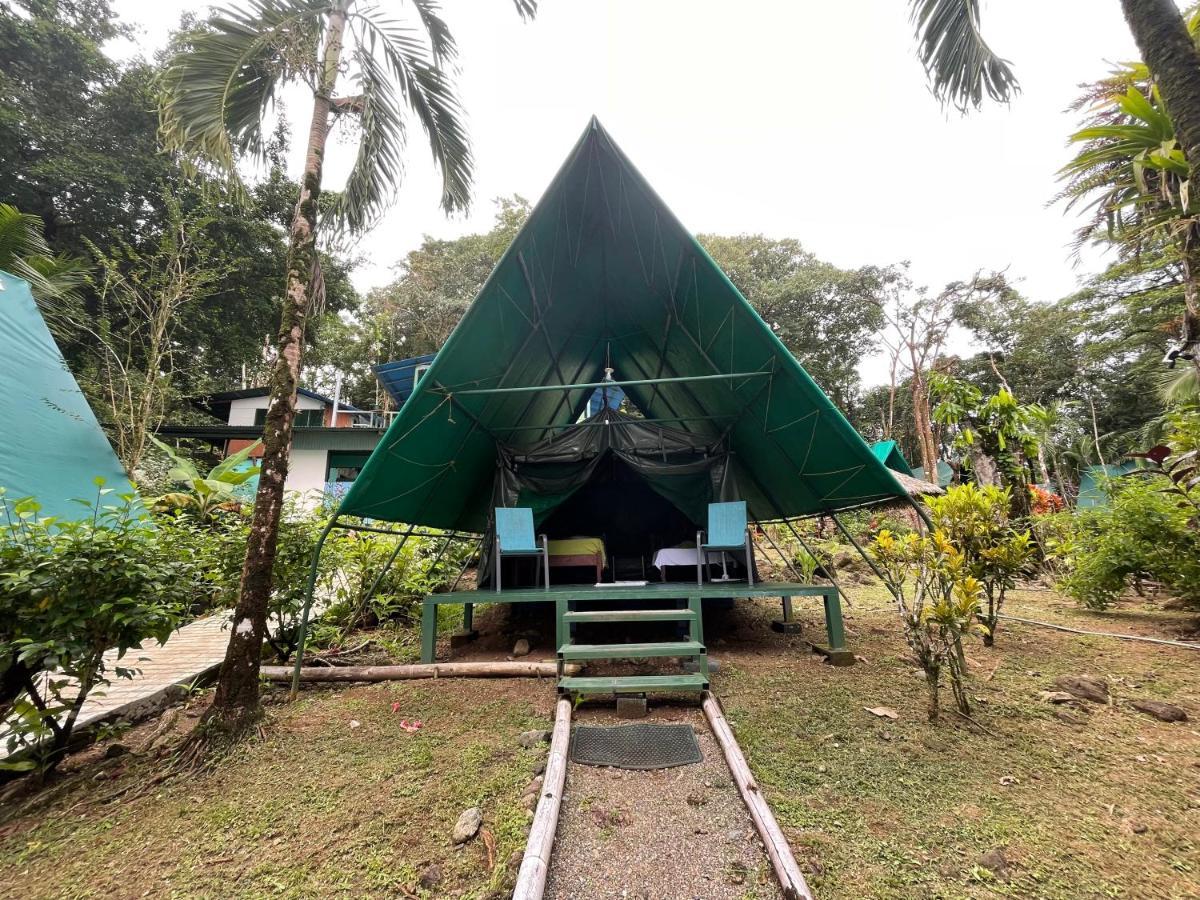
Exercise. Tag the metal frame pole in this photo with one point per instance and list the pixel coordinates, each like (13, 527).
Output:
(466, 565)
(829, 570)
(309, 589)
(388, 565)
(863, 553)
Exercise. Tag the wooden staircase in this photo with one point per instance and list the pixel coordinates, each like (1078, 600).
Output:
(692, 647)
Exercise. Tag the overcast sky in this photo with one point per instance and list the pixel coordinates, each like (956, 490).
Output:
(793, 118)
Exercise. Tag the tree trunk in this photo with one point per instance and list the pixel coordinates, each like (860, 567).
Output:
(236, 702)
(922, 417)
(931, 682)
(1169, 51)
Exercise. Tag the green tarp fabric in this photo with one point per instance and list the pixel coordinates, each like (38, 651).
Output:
(54, 446)
(888, 453)
(602, 274)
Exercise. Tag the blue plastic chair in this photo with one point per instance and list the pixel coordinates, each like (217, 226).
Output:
(515, 537)
(727, 530)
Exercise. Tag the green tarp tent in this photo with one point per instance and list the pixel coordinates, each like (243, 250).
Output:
(54, 446)
(603, 275)
(888, 453)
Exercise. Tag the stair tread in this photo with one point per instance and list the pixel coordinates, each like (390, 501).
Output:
(629, 615)
(619, 651)
(632, 683)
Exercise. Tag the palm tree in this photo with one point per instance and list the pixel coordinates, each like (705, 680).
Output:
(962, 68)
(1131, 173)
(218, 89)
(53, 279)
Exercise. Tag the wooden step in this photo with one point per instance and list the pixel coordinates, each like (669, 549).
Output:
(630, 615)
(630, 651)
(632, 684)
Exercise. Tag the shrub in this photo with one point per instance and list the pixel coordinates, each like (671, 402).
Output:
(1143, 533)
(69, 592)
(938, 601)
(423, 565)
(977, 521)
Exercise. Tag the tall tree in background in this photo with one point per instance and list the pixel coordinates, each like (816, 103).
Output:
(826, 316)
(962, 68)
(218, 90)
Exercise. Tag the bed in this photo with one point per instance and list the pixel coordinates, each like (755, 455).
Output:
(579, 551)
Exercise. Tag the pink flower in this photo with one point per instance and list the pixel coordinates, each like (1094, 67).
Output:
(396, 707)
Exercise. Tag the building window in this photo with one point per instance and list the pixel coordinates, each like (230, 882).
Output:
(344, 467)
(305, 418)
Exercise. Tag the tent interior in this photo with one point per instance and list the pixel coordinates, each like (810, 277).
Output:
(634, 486)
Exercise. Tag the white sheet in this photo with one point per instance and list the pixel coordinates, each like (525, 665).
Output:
(685, 556)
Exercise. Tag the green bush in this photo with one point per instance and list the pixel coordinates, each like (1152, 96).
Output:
(978, 522)
(69, 592)
(1143, 534)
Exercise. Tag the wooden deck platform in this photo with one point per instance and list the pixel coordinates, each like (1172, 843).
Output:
(569, 598)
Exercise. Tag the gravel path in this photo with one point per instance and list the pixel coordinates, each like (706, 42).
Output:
(670, 834)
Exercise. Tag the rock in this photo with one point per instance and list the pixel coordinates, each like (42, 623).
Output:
(1140, 828)
(1057, 696)
(733, 835)
(995, 863)
(514, 860)
(430, 877)
(521, 647)
(540, 768)
(529, 801)
(534, 786)
(1083, 687)
(1164, 712)
(468, 825)
(530, 739)
(1069, 718)
(693, 667)
(115, 750)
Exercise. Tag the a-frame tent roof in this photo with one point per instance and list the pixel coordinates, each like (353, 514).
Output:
(888, 453)
(61, 448)
(603, 274)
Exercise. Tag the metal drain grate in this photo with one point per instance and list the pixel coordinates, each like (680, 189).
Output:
(642, 746)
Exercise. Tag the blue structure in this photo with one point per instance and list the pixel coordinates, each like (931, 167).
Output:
(615, 397)
(945, 473)
(1093, 481)
(399, 377)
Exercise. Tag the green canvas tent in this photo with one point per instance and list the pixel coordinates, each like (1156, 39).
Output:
(888, 453)
(61, 447)
(603, 276)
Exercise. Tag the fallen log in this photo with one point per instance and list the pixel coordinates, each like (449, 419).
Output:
(535, 865)
(780, 854)
(421, 670)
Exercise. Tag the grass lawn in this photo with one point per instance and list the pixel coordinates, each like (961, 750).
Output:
(318, 807)
(881, 808)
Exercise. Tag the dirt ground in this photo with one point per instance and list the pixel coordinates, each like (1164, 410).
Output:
(668, 834)
(1087, 800)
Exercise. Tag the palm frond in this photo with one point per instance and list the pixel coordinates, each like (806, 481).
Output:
(396, 69)
(54, 279)
(216, 90)
(961, 67)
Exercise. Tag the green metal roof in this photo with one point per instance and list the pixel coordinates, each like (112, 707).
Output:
(603, 273)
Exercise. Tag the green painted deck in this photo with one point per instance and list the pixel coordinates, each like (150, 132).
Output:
(569, 599)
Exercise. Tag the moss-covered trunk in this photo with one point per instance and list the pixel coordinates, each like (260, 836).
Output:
(1169, 51)
(236, 704)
